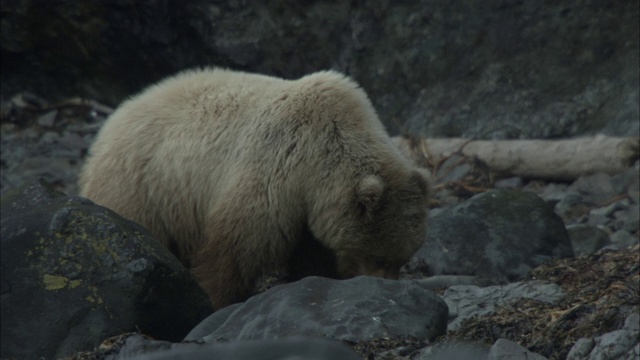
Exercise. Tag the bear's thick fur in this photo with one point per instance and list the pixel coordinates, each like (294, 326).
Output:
(235, 171)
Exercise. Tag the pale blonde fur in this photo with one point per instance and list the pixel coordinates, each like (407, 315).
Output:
(234, 168)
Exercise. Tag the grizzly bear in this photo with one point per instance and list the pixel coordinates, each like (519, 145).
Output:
(235, 172)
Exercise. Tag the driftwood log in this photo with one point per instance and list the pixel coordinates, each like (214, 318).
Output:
(565, 159)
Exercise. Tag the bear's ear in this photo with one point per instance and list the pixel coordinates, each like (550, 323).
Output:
(369, 192)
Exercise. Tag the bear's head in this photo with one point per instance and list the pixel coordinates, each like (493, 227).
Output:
(378, 225)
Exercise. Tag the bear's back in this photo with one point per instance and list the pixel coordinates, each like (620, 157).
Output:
(207, 117)
(176, 147)
(208, 95)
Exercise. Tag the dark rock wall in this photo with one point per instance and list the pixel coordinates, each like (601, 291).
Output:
(488, 69)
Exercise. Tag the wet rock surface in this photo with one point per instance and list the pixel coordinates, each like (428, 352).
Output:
(602, 207)
(362, 308)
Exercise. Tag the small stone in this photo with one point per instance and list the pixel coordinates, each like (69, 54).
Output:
(553, 193)
(597, 185)
(50, 137)
(627, 181)
(597, 220)
(581, 349)
(631, 219)
(608, 210)
(616, 224)
(509, 183)
(504, 349)
(614, 344)
(587, 239)
(632, 322)
(48, 119)
(569, 200)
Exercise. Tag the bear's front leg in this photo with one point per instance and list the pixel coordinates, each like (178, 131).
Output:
(220, 273)
(238, 244)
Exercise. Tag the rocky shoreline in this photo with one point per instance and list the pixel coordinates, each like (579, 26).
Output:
(513, 268)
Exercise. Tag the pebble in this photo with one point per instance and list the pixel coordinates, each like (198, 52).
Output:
(622, 239)
(509, 183)
(504, 349)
(587, 239)
(48, 119)
(618, 344)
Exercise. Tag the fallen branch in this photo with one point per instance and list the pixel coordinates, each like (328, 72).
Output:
(565, 159)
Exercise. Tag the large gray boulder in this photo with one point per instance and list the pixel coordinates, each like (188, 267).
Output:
(358, 309)
(499, 235)
(74, 273)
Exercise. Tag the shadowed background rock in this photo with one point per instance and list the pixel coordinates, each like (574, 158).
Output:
(489, 69)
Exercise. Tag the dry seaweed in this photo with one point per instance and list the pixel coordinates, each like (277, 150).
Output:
(385, 348)
(601, 290)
